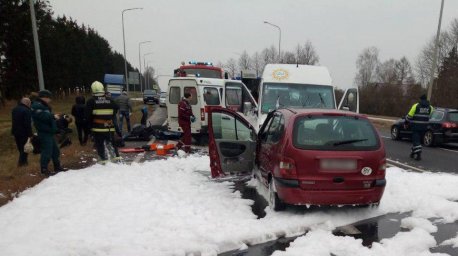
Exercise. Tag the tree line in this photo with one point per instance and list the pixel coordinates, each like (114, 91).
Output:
(390, 87)
(72, 55)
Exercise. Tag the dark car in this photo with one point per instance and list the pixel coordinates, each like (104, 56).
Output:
(303, 156)
(442, 128)
(150, 96)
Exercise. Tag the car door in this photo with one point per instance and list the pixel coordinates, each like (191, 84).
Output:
(267, 144)
(350, 100)
(232, 143)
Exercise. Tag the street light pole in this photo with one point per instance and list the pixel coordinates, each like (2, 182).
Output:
(36, 43)
(140, 62)
(433, 68)
(124, 44)
(144, 64)
(279, 39)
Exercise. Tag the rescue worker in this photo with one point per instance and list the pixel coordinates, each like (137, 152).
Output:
(22, 127)
(185, 117)
(418, 117)
(125, 109)
(100, 112)
(45, 124)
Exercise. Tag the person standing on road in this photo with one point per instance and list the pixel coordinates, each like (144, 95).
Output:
(100, 113)
(125, 109)
(418, 117)
(22, 127)
(185, 117)
(45, 123)
(79, 112)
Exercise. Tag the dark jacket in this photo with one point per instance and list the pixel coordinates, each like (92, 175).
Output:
(419, 115)
(124, 103)
(184, 112)
(100, 113)
(43, 118)
(79, 110)
(21, 117)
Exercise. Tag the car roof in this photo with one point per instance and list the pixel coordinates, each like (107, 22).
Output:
(318, 111)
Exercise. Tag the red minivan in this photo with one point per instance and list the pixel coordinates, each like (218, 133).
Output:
(303, 156)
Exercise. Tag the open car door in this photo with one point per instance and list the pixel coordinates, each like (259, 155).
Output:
(350, 100)
(231, 143)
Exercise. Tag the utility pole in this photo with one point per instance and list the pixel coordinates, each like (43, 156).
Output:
(436, 48)
(36, 43)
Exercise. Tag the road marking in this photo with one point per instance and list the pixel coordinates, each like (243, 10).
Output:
(398, 164)
(451, 150)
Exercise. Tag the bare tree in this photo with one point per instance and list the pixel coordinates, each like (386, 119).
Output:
(366, 64)
(403, 71)
(386, 72)
(231, 66)
(244, 61)
(289, 58)
(257, 63)
(306, 54)
(447, 40)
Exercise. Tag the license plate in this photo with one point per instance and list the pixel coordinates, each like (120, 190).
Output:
(338, 164)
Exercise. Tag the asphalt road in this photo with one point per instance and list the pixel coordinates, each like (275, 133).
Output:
(435, 159)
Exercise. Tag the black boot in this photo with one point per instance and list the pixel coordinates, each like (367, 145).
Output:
(418, 156)
(58, 168)
(45, 172)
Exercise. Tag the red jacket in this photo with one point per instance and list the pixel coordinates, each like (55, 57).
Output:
(184, 111)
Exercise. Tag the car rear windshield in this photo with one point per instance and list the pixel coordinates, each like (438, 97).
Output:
(453, 116)
(334, 133)
(149, 92)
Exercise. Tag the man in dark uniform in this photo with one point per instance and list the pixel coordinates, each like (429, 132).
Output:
(418, 117)
(22, 127)
(185, 117)
(100, 114)
(45, 123)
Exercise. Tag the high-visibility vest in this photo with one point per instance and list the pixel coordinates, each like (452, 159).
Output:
(420, 113)
(102, 114)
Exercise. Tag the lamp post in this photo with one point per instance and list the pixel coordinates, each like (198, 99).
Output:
(279, 39)
(124, 44)
(144, 63)
(36, 43)
(433, 68)
(140, 62)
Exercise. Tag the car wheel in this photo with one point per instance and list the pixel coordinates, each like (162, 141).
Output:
(274, 201)
(428, 139)
(395, 133)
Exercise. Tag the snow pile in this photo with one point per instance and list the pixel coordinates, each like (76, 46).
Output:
(323, 243)
(453, 241)
(171, 207)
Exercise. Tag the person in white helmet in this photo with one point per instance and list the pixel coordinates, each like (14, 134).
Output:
(100, 115)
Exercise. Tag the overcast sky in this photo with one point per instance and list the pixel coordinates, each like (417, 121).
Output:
(216, 30)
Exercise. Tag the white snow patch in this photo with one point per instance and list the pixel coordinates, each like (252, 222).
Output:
(323, 243)
(168, 207)
(452, 241)
(2, 195)
(412, 222)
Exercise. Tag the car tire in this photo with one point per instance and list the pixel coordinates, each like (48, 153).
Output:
(275, 202)
(428, 139)
(395, 133)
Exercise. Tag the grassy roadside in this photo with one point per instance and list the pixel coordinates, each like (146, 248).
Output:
(13, 179)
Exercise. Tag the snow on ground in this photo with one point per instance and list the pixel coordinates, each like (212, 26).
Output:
(452, 241)
(170, 207)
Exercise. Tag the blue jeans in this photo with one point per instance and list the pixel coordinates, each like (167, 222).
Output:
(122, 115)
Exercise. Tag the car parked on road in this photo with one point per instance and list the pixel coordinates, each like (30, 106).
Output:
(163, 99)
(150, 96)
(442, 128)
(303, 156)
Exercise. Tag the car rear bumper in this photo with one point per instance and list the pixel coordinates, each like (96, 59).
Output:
(295, 195)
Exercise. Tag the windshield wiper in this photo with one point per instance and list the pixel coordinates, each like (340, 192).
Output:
(347, 142)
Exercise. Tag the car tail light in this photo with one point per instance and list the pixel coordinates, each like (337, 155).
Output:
(449, 125)
(287, 168)
(202, 114)
(382, 167)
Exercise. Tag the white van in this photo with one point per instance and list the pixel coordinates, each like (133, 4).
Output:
(300, 86)
(232, 94)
